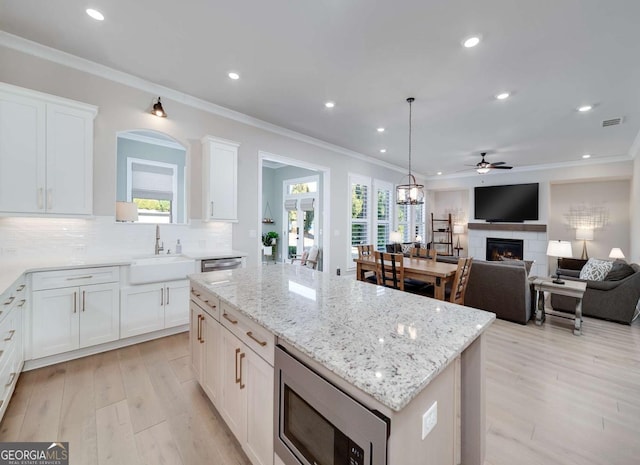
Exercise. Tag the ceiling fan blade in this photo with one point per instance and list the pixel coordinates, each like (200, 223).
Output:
(496, 163)
(501, 167)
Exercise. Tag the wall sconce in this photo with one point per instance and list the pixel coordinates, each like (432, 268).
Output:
(158, 110)
(584, 235)
(126, 211)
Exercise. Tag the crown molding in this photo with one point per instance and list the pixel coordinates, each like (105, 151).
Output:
(547, 166)
(150, 140)
(634, 151)
(82, 64)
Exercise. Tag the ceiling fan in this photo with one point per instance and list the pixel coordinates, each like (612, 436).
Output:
(484, 166)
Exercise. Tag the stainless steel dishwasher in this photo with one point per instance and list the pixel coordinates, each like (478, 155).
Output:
(217, 264)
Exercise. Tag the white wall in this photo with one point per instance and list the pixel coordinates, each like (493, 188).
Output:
(634, 207)
(122, 107)
(614, 196)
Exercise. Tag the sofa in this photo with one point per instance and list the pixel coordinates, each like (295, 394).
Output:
(612, 299)
(501, 287)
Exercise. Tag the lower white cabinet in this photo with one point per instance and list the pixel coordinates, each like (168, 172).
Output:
(151, 307)
(74, 317)
(12, 306)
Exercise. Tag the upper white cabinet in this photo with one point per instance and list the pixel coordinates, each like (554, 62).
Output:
(46, 153)
(219, 179)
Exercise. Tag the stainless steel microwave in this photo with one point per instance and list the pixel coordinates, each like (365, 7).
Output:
(318, 424)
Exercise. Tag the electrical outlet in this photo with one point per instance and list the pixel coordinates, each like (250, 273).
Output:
(338, 271)
(429, 419)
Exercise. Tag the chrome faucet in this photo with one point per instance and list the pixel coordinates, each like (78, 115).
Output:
(159, 247)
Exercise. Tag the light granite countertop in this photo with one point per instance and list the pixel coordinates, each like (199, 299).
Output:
(389, 344)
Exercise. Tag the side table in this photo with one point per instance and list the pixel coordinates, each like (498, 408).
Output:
(569, 288)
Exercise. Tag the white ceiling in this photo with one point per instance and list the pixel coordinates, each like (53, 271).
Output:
(552, 55)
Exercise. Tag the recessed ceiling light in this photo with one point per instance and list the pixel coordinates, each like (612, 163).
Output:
(95, 14)
(586, 155)
(383, 150)
(234, 76)
(585, 108)
(330, 104)
(380, 129)
(503, 95)
(439, 173)
(470, 42)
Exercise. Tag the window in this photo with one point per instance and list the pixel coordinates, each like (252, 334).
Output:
(371, 213)
(384, 213)
(153, 187)
(403, 221)
(360, 216)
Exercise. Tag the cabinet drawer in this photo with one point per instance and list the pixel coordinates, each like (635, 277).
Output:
(206, 300)
(8, 336)
(76, 277)
(252, 334)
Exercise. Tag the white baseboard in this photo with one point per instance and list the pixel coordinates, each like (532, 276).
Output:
(66, 356)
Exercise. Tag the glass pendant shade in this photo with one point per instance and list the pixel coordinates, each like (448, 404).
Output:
(411, 193)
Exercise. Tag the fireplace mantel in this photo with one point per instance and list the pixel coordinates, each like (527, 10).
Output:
(508, 227)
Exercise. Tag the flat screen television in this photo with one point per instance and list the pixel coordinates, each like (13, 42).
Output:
(513, 203)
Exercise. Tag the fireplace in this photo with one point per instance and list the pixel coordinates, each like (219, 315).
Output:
(498, 248)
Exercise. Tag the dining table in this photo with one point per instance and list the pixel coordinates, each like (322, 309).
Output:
(421, 269)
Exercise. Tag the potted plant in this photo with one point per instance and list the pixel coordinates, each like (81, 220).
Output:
(269, 238)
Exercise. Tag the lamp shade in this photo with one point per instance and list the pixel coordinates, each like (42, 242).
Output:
(395, 237)
(458, 229)
(616, 252)
(126, 211)
(561, 249)
(584, 234)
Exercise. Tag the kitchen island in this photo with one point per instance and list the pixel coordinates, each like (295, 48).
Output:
(397, 353)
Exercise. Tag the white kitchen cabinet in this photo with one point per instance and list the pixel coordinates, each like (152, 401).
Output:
(13, 303)
(73, 309)
(233, 401)
(205, 351)
(259, 392)
(46, 153)
(74, 317)
(196, 347)
(152, 307)
(220, 179)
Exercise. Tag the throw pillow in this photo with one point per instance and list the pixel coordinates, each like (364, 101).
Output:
(406, 248)
(619, 271)
(595, 270)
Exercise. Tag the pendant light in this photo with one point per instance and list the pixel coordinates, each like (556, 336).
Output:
(158, 110)
(411, 193)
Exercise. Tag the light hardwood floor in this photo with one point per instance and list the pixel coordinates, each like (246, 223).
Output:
(552, 398)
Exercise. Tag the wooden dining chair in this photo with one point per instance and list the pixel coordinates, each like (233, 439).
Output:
(459, 287)
(431, 254)
(390, 269)
(367, 250)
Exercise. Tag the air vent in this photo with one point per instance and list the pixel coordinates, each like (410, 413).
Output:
(611, 122)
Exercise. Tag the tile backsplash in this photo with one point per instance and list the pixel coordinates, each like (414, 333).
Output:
(101, 236)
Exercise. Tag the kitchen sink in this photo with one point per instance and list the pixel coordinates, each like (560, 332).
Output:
(160, 268)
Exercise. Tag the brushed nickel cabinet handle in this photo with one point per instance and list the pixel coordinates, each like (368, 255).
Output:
(226, 317)
(21, 287)
(75, 302)
(89, 276)
(12, 376)
(9, 300)
(238, 378)
(211, 208)
(161, 296)
(262, 343)
(167, 296)
(201, 329)
(22, 302)
(83, 300)
(1, 353)
(12, 332)
(242, 355)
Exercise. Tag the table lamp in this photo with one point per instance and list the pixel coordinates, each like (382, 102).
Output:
(126, 211)
(559, 249)
(584, 235)
(457, 230)
(616, 252)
